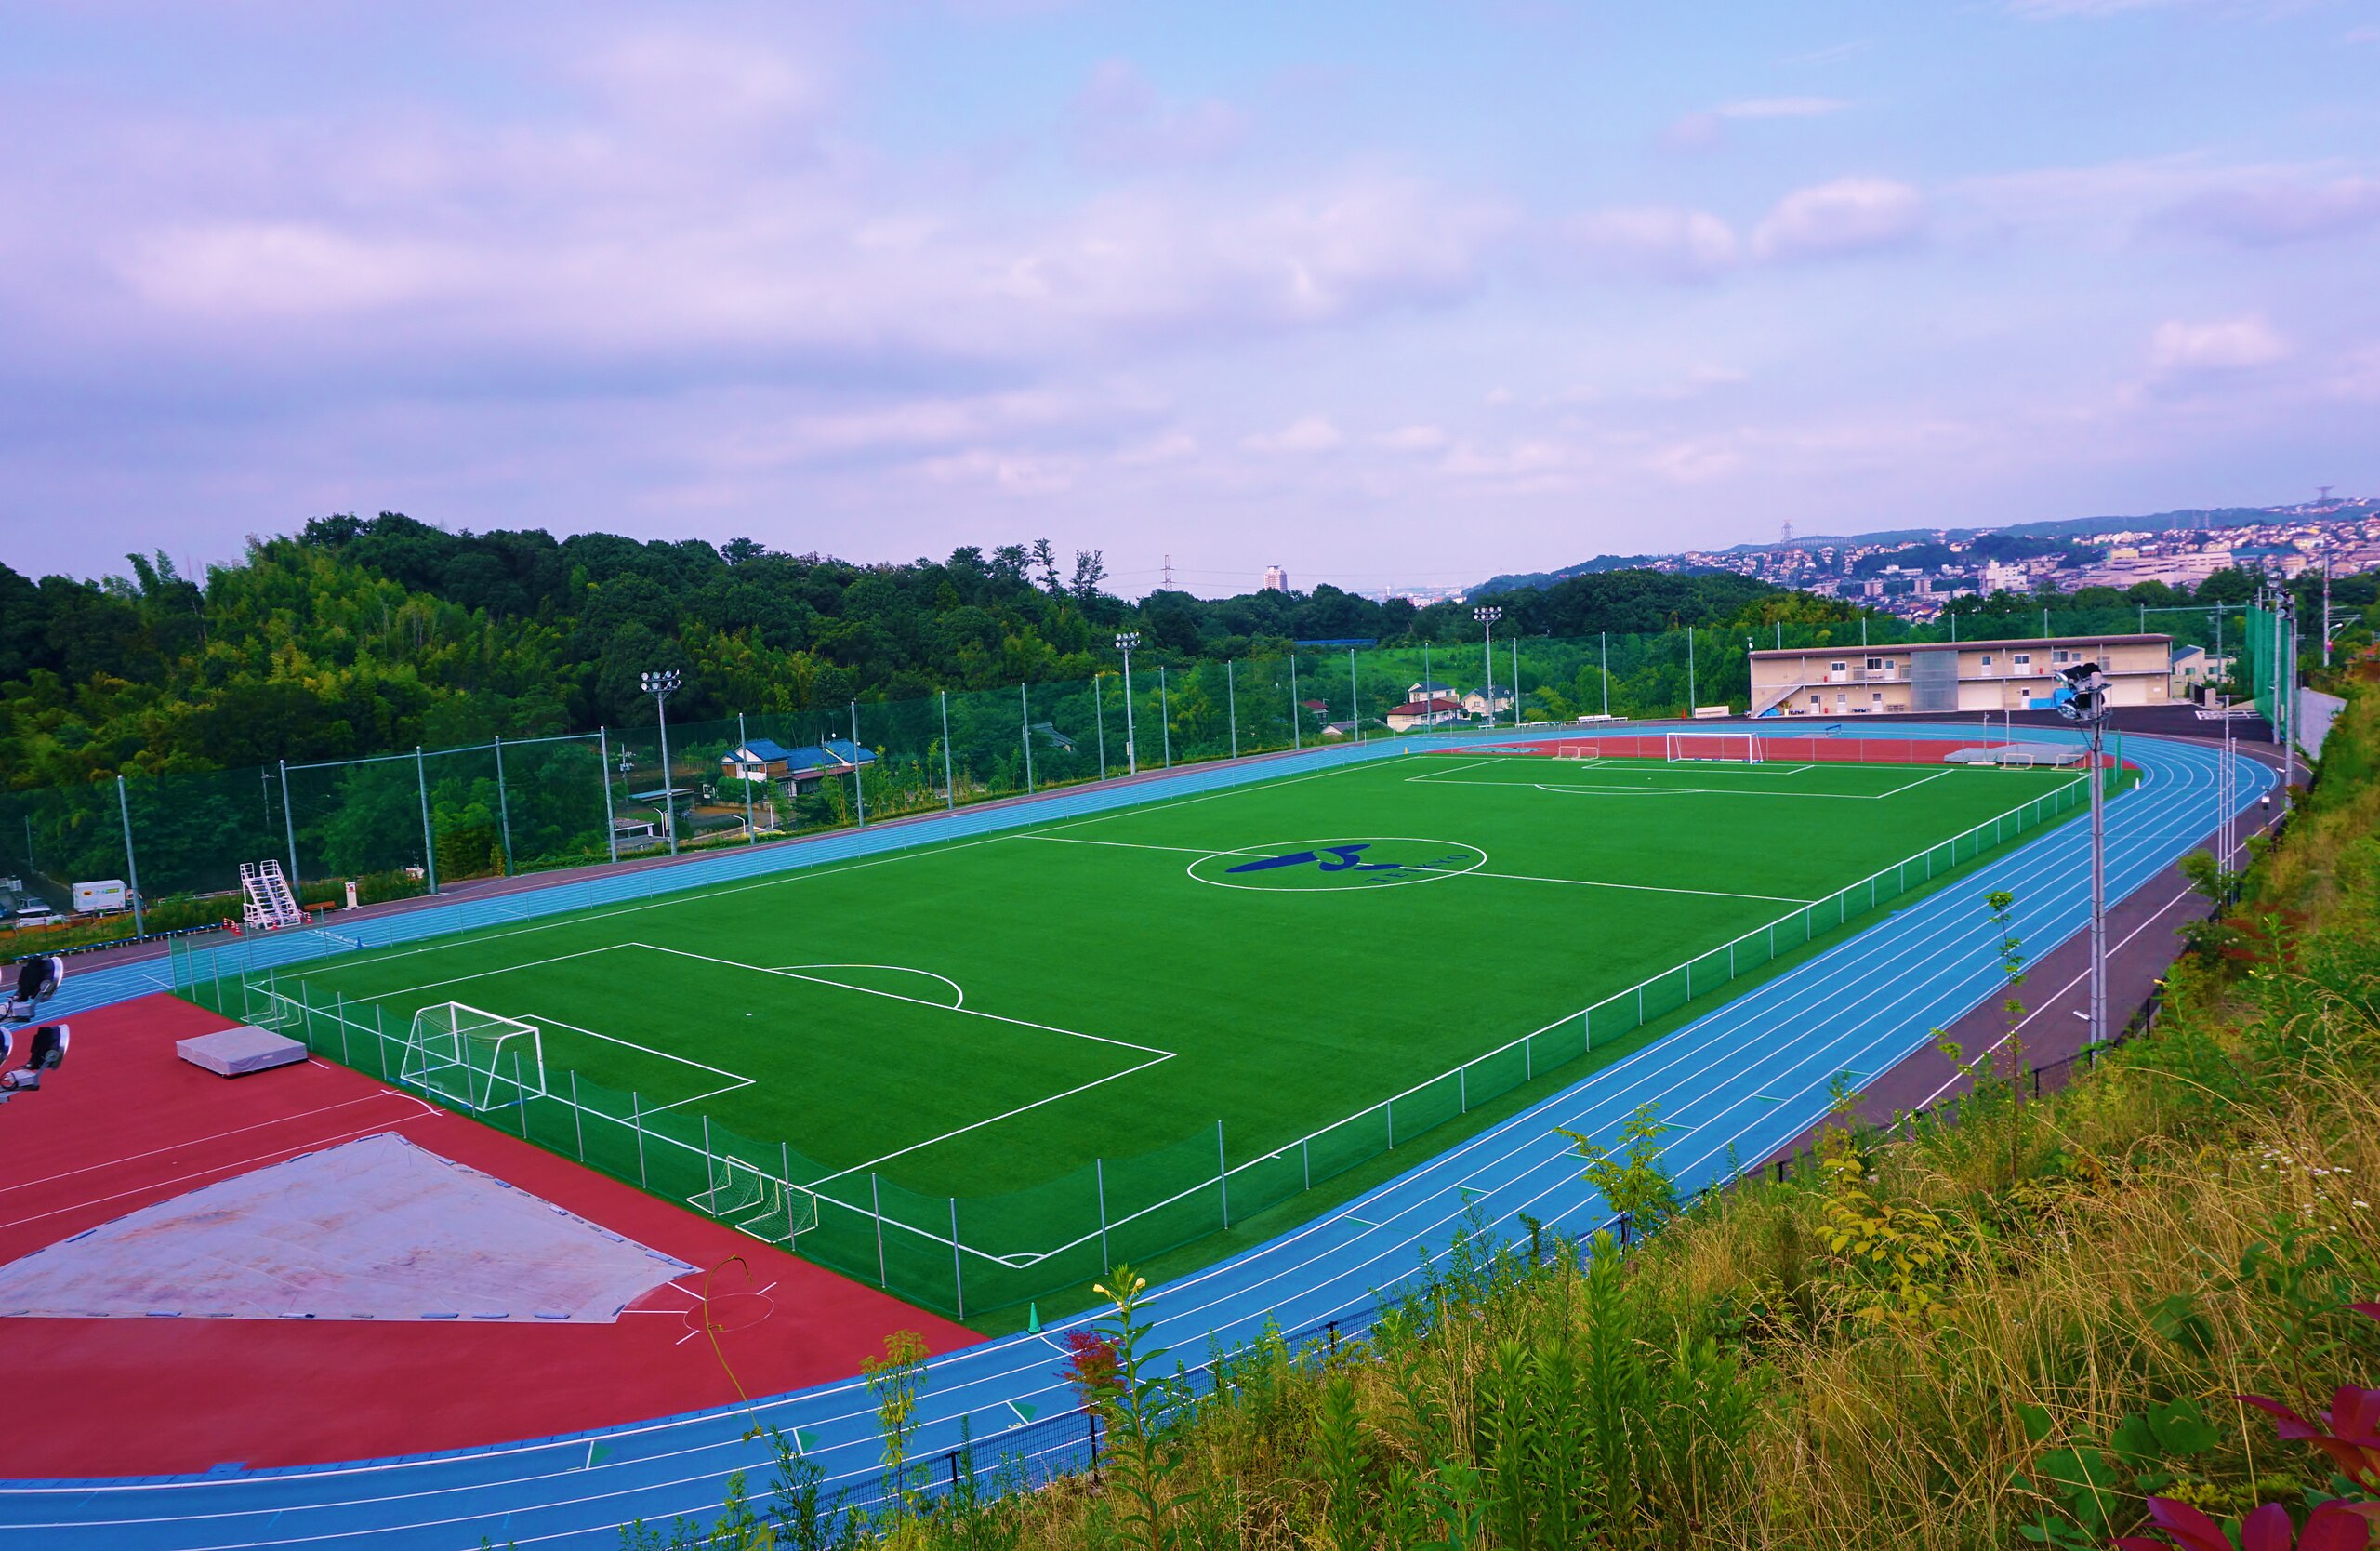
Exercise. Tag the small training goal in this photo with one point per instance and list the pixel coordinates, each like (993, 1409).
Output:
(745, 1196)
(1589, 750)
(1731, 747)
(472, 1058)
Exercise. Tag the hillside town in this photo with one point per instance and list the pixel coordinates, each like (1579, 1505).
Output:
(1915, 576)
(1914, 573)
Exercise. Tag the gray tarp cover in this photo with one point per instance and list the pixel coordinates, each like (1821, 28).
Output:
(376, 1228)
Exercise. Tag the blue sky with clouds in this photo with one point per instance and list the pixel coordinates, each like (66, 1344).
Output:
(1380, 292)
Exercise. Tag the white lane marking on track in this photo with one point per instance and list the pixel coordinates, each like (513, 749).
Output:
(2053, 997)
(217, 1137)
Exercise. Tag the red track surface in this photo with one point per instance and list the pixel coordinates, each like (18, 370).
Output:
(126, 1123)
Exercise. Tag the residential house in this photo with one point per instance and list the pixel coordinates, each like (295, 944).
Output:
(2193, 668)
(1490, 701)
(1432, 711)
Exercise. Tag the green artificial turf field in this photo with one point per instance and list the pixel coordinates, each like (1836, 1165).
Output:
(992, 1016)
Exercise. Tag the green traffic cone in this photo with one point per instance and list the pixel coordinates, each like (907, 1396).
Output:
(1033, 1319)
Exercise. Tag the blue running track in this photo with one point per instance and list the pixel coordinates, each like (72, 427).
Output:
(1737, 1083)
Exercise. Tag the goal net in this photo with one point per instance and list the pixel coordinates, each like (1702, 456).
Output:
(473, 1059)
(1577, 751)
(1733, 747)
(744, 1195)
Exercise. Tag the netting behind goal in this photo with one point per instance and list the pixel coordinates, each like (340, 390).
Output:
(1733, 747)
(472, 1058)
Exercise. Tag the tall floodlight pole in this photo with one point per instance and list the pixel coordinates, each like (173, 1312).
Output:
(661, 684)
(1606, 675)
(1125, 641)
(1487, 617)
(2223, 787)
(2087, 703)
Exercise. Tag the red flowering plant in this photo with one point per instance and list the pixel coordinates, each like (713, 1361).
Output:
(2348, 1434)
(1091, 1365)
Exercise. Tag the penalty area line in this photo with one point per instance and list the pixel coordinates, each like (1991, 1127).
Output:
(995, 1120)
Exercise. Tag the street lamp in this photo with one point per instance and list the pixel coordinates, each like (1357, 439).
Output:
(1125, 641)
(2086, 704)
(1487, 617)
(661, 684)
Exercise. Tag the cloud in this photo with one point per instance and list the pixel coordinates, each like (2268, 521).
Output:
(2232, 344)
(1412, 439)
(1782, 107)
(1661, 241)
(2269, 212)
(1850, 215)
(1120, 121)
(1312, 434)
(1703, 129)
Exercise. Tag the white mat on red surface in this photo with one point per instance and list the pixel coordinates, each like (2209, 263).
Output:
(376, 1228)
(236, 1051)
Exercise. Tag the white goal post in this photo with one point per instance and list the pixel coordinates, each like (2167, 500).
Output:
(1734, 748)
(473, 1058)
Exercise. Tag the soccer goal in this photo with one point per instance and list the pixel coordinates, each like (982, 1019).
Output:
(746, 1196)
(1577, 751)
(1732, 747)
(473, 1059)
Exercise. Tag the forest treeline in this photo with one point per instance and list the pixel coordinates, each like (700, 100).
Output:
(360, 636)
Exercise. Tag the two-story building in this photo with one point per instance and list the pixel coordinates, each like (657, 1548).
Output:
(1955, 675)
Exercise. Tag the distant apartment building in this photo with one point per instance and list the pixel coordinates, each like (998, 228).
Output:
(1276, 579)
(1954, 676)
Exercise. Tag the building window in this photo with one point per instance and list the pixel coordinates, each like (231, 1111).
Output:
(2057, 656)
(1878, 696)
(2022, 659)
(1874, 663)
(1838, 667)
(1818, 699)
(1987, 659)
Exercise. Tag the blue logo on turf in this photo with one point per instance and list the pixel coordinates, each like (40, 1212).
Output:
(1330, 859)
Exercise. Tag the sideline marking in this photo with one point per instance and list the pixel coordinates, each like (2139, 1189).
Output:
(1646, 888)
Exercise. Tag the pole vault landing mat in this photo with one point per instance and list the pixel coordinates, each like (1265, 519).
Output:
(375, 1228)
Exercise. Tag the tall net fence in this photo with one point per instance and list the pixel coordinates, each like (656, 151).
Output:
(417, 821)
(971, 1255)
